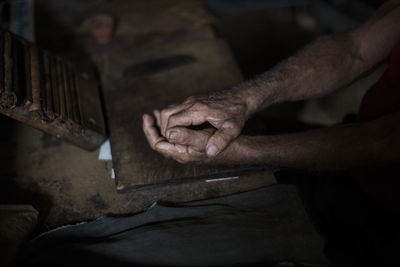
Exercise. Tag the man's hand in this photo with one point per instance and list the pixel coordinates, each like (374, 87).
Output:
(182, 153)
(225, 110)
(189, 145)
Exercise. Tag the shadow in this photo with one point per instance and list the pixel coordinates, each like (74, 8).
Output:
(12, 192)
(261, 38)
(69, 254)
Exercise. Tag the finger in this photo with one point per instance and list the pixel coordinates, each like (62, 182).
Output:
(148, 122)
(187, 117)
(150, 131)
(195, 154)
(210, 131)
(157, 115)
(184, 136)
(177, 152)
(221, 138)
(166, 113)
(181, 148)
(188, 154)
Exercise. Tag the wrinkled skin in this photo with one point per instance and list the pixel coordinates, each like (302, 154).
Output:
(326, 65)
(226, 110)
(195, 152)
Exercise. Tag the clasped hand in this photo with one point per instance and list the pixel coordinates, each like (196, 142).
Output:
(168, 133)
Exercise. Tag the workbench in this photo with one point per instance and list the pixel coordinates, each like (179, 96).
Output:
(157, 46)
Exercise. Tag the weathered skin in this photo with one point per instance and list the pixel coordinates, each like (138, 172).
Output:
(324, 66)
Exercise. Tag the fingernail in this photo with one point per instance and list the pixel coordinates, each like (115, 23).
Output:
(173, 135)
(212, 150)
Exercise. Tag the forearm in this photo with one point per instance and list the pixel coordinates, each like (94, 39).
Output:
(322, 67)
(328, 64)
(337, 148)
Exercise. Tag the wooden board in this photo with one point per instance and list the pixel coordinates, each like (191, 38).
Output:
(146, 71)
(67, 184)
(49, 93)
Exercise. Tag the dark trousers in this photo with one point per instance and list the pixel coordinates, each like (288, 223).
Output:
(358, 231)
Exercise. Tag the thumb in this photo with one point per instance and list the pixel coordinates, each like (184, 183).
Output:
(221, 139)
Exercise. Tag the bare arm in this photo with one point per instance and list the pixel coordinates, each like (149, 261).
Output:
(330, 63)
(344, 147)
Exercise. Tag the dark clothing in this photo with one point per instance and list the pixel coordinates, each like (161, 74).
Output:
(359, 217)
(261, 227)
(383, 98)
(358, 231)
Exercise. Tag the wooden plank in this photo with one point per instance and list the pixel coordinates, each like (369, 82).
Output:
(8, 98)
(28, 80)
(18, 71)
(49, 112)
(189, 66)
(159, 56)
(35, 78)
(61, 89)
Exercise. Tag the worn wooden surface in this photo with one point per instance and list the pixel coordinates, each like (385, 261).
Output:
(67, 184)
(49, 93)
(151, 70)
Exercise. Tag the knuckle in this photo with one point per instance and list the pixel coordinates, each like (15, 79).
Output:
(230, 125)
(200, 106)
(164, 113)
(183, 138)
(195, 155)
(156, 148)
(192, 152)
(222, 142)
(209, 132)
(235, 109)
(181, 148)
